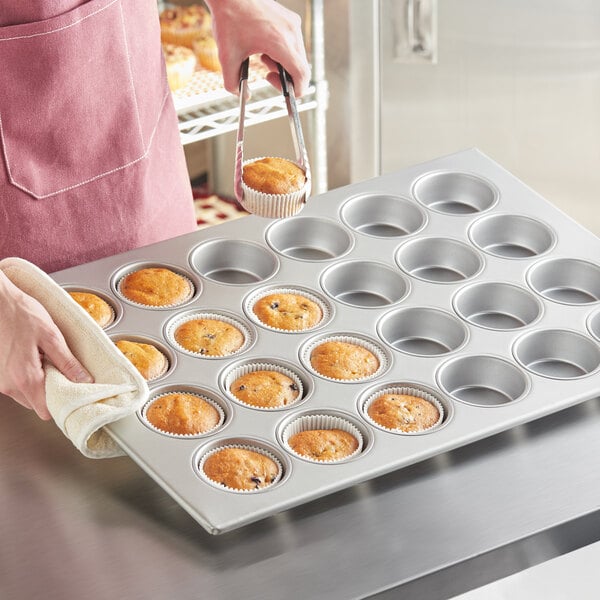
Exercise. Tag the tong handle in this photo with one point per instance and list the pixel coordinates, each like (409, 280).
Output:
(239, 150)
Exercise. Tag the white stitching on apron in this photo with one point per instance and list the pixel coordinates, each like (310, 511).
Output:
(31, 35)
(76, 185)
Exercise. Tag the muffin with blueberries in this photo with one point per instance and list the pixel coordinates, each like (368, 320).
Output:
(288, 311)
(404, 412)
(241, 468)
(343, 360)
(265, 388)
(323, 444)
(100, 310)
(209, 337)
(182, 413)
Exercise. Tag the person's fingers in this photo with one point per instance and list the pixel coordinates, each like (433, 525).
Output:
(30, 389)
(57, 352)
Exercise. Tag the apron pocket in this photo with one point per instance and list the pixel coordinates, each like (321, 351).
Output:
(68, 110)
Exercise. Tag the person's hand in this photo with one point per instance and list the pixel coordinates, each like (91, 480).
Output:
(27, 333)
(245, 27)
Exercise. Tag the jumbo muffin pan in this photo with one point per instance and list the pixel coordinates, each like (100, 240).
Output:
(470, 288)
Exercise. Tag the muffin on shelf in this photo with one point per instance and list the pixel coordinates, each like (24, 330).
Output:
(274, 187)
(209, 337)
(180, 63)
(343, 360)
(207, 53)
(100, 310)
(182, 413)
(404, 412)
(265, 389)
(181, 25)
(288, 311)
(241, 468)
(323, 444)
(156, 286)
(146, 358)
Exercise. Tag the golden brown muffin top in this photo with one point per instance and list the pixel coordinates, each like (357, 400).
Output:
(156, 286)
(404, 412)
(209, 337)
(287, 311)
(185, 17)
(265, 388)
(241, 469)
(146, 358)
(95, 306)
(182, 413)
(323, 444)
(273, 175)
(343, 360)
(175, 54)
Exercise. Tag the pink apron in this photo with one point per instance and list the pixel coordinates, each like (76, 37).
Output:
(91, 163)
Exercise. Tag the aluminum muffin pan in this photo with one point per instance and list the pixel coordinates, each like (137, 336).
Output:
(468, 284)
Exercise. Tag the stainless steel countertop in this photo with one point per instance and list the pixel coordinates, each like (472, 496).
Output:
(73, 527)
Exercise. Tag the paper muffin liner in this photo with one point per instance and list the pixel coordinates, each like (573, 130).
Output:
(409, 391)
(192, 290)
(273, 206)
(241, 370)
(255, 297)
(376, 350)
(174, 324)
(146, 422)
(251, 447)
(319, 421)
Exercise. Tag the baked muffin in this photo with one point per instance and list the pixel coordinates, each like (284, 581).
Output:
(180, 63)
(96, 307)
(289, 311)
(146, 358)
(273, 187)
(323, 444)
(404, 412)
(241, 469)
(272, 175)
(209, 337)
(207, 53)
(181, 25)
(265, 389)
(343, 360)
(156, 286)
(182, 413)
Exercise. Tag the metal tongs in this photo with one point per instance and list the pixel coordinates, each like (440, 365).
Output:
(287, 88)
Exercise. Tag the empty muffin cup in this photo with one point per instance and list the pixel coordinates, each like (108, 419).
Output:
(439, 260)
(383, 215)
(593, 324)
(365, 284)
(512, 236)
(455, 193)
(495, 305)
(208, 425)
(403, 409)
(422, 331)
(233, 261)
(257, 468)
(268, 393)
(240, 344)
(323, 445)
(309, 238)
(557, 353)
(482, 380)
(566, 280)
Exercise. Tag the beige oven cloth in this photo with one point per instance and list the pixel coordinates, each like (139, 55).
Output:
(81, 410)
